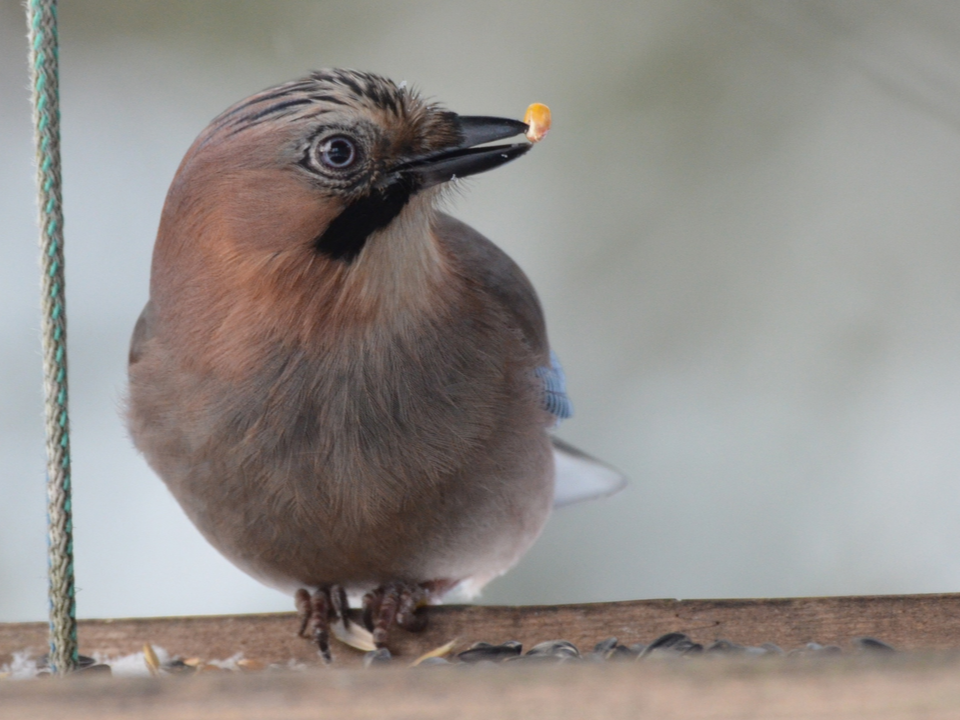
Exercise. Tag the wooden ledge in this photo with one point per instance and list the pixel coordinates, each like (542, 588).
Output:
(905, 685)
(699, 689)
(908, 622)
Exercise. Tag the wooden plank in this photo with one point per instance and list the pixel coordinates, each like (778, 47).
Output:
(912, 622)
(696, 689)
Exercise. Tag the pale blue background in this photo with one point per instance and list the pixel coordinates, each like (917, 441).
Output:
(745, 229)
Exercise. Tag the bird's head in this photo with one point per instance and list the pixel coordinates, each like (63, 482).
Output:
(359, 144)
(322, 187)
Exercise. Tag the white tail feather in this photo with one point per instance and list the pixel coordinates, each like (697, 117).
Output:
(580, 477)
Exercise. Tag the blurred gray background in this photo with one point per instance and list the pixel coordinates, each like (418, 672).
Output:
(744, 226)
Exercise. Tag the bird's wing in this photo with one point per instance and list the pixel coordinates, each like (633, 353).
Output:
(142, 332)
(580, 477)
(555, 397)
(501, 277)
(492, 268)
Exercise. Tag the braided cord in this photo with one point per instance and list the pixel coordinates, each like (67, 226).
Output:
(42, 26)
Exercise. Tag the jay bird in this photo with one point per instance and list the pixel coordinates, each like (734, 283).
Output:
(348, 391)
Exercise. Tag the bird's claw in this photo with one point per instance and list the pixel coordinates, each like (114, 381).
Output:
(394, 604)
(318, 611)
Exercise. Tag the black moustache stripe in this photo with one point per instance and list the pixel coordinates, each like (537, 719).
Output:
(348, 233)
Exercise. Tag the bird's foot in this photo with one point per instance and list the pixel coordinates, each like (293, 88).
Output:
(317, 611)
(395, 604)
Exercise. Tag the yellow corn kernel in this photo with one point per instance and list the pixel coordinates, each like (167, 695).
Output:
(538, 119)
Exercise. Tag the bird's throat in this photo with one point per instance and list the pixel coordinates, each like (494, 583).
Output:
(347, 234)
(401, 273)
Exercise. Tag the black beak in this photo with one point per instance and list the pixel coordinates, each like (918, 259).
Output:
(464, 158)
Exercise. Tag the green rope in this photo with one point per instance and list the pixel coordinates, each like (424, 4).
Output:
(42, 26)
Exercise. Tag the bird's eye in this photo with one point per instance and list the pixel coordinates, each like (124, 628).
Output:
(338, 152)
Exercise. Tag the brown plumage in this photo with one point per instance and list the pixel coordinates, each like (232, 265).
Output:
(336, 381)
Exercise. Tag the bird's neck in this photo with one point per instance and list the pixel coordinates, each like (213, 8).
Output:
(401, 274)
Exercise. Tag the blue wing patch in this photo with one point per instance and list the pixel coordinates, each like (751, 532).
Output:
(555, 398)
